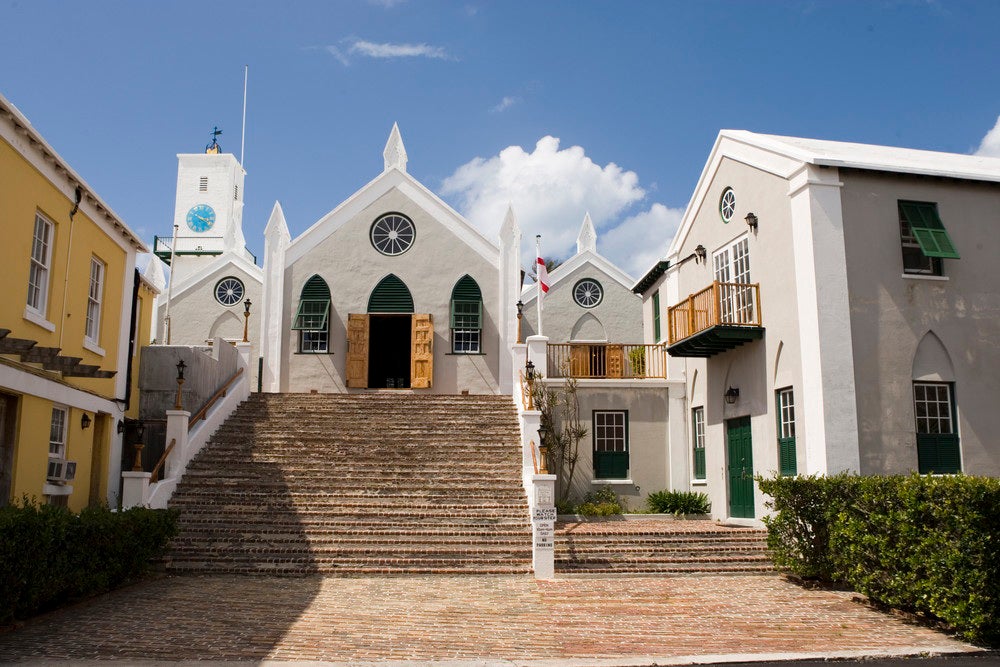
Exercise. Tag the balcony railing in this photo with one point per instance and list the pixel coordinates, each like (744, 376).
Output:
(606, 361)
(725, 304)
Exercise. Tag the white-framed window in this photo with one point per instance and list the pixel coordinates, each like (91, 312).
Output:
(937, 433)
(57, 437)
(732, 271)
(41, 263)
(94, 298)
(610, 430)
(785, 405)
(698, 441)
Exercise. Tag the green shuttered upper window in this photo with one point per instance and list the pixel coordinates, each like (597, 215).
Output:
(926, 229)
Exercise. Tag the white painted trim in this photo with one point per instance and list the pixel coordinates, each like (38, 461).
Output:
(28, 383)
(372, 191)
(93, 347)
(219, 263)
(612, 482)
(57, 489)
(35, 317)
(699, 482)
(919, 276)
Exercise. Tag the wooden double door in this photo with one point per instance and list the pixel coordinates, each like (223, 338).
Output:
(390, 350)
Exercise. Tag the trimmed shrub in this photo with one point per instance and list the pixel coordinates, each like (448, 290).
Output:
(603, 502)
(49, 555)
(924, 544)
(678, 502)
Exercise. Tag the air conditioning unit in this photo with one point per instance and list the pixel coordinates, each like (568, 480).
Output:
(61, 470)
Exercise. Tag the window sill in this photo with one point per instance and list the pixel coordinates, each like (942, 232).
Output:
(314, 354)
(699, 482)
(921, 276)
(93, 347)
(465, 354)
(611, 482)
(57, 489)
(37, 318)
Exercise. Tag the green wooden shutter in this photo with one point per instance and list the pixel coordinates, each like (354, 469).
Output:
(786, 456)
(314, 306)
(938, 453)
(928, 229)
(390, 296)
(610, 465)
(699, 463)
(466, 304)
(656, 316)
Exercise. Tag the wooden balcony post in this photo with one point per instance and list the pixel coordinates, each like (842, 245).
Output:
(690, 315)
(716, 296)
(760, 315)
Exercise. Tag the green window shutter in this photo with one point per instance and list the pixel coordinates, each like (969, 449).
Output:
(391, 295)
(610, 465)
(786, 456)
(928, 229)
(938, 453)
(699, 463)
(656, 316)
(314, 306)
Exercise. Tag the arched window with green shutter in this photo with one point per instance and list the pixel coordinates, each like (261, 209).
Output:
(466, 317)
(312, 319)
(391, 295)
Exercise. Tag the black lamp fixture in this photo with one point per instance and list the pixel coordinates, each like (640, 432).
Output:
(732, 394)
(700, 253)
(529, 371)
(543, 432)
(180, 370)
(246, 307)
(751, 221)
(520, 307)
(121, 427)
(85, 421)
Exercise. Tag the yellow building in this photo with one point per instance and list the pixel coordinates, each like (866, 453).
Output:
(70, 316)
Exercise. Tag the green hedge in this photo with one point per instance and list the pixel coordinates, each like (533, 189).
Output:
(678, 502)
(929, 545)
(49, 555)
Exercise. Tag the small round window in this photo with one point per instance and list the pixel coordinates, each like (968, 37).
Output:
(727, 204)
(588, 293)
(392, 234)
(229, 291)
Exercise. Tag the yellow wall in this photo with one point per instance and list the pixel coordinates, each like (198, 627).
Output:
(25, 192)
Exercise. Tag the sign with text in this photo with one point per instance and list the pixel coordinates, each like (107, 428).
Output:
(545, 514)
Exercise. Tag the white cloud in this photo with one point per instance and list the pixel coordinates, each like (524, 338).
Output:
(990, 145)
(388, 50)
(551, 190)
(338, 54)
(505, 103)
(386, 4)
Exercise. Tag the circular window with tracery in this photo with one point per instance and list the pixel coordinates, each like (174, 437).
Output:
(727, 204)
(588, 293)
(229, 291)
(392, 234)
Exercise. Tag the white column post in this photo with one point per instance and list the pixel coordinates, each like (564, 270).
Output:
(537, 353)
(543, 518)
(135, 489)
(276, 240)
(177, 431)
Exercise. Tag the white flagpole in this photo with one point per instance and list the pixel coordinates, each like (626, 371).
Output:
(538, 281)
(243, 134)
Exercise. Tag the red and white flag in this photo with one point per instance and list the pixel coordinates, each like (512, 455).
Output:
(541, 279)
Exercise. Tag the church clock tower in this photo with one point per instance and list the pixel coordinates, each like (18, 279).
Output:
(208, 213)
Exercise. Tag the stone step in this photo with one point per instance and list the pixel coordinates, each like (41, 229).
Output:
(300, 568)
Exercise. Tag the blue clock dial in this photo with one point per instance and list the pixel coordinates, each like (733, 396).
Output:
(201, 218)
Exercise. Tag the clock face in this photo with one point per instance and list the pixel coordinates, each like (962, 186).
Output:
(201, 218)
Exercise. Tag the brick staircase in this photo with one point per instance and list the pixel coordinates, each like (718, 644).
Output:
(649, 546)
(373, 483)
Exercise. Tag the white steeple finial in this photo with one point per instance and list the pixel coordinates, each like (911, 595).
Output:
(587, 240)
(394, 153)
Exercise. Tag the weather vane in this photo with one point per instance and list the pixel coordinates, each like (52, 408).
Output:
(214, 147)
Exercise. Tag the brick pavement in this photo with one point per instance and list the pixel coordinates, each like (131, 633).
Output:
(449, 618)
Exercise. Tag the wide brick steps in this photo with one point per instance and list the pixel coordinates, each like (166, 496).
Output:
(654, 546)
(379, 483)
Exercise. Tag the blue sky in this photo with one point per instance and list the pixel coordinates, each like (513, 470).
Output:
(558, 107)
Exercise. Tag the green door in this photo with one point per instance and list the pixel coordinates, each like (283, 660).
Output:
(739, 447)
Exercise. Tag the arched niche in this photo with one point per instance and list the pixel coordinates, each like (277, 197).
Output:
(931, 362)
(588, 328)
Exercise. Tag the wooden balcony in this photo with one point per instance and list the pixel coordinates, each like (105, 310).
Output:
(718, 318)
(617, 361)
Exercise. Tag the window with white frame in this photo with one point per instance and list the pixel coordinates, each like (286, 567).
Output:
(57, 439)
(41, 260)
(785, 403)
(94, 296)
(937, 438)
(698, 433)
(611, 444)
(732, 271)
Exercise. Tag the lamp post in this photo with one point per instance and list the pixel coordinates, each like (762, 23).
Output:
(246, 319)
(180, 383)
(520, 314)
(529, 376)
(139, 430)
(543, 449)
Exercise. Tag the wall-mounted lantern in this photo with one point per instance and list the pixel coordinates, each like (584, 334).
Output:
(732, 394)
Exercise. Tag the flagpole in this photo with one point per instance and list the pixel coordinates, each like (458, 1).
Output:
(538, 280)
(243, 133)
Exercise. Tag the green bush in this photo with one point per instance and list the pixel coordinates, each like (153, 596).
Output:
(929, 545)
(678, 502)
(49, 555)
(603, 502)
